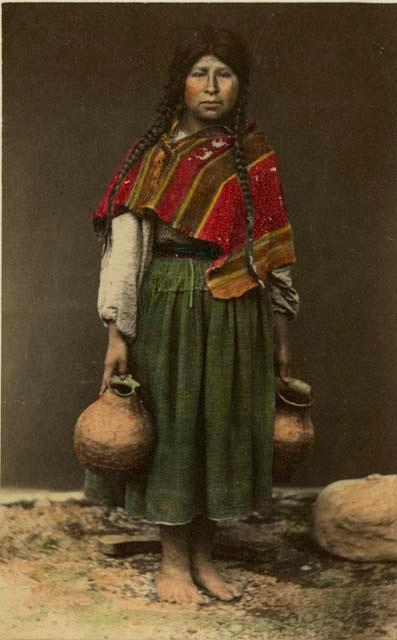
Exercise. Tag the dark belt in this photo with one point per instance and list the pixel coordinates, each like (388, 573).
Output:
(185, 252)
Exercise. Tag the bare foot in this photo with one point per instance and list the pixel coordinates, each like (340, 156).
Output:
(176, 585)
(208, 577)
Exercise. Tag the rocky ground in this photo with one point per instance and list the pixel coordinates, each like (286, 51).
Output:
(56, 584)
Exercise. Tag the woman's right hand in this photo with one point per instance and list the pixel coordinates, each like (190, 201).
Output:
(116, 357)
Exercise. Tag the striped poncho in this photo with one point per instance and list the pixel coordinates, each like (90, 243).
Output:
(193, 186)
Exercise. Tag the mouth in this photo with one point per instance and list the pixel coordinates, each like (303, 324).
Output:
(210, 103)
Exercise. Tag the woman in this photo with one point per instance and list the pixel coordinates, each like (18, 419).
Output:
(194, 224)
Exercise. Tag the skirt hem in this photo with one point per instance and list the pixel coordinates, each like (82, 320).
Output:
(190, 520)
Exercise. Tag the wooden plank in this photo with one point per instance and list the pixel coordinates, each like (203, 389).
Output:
(126, 545)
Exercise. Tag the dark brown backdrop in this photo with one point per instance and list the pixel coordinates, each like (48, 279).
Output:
(81, 82)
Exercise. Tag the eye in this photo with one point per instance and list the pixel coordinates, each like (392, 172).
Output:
(225, 74)
(197, 74)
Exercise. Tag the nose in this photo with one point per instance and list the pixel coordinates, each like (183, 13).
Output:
(212, 86)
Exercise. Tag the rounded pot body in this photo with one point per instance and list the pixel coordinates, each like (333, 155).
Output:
(114, 435)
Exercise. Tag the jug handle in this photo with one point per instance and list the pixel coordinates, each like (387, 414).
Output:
(301, 405)
(123, 387)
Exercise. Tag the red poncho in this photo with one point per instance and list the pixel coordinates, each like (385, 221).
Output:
(192, 185)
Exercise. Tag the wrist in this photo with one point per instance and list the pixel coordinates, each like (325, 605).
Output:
(114, 334)
(280, 332)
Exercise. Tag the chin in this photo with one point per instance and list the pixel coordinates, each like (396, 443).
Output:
(212, 116)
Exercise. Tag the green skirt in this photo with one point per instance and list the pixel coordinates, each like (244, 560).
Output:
(206, 369)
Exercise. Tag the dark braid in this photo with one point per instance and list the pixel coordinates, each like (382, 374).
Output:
(150, 137)
(239, 123)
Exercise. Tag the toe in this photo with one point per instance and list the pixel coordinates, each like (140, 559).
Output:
(199, 599)
(224, 593)
(237, 590)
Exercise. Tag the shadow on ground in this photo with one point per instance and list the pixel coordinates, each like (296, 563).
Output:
(56, 584)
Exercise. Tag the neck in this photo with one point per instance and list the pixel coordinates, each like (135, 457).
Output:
(191, 125)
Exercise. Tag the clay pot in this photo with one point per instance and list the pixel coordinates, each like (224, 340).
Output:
(115, 434)
(293, 429)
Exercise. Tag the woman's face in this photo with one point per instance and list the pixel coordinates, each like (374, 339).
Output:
(211, 89)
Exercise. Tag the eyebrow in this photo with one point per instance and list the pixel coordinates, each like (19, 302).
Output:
(223, 68)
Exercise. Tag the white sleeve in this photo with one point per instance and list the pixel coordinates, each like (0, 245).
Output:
(284, 297)
(123, 266)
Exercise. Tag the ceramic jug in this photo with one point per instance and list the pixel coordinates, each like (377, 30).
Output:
(115, 434)
(293, 429)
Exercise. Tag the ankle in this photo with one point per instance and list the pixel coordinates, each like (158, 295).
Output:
(202, 560)
(175, 565)
(175, 549)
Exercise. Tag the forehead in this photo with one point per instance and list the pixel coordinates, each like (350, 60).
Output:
(210, 61)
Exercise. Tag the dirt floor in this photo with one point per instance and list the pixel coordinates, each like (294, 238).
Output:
(56, 584)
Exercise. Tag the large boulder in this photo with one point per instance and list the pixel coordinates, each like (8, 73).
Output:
(357, 519)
